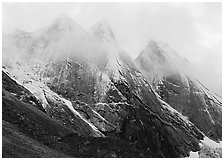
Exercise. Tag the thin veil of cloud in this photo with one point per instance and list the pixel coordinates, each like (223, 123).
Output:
(192, 29)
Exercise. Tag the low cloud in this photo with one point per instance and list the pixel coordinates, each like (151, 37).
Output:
(192, 29)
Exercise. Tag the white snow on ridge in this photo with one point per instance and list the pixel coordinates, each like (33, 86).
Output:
(172, 110)
(69, 104)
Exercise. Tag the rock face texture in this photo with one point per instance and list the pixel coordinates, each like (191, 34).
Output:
(102, 104)
(167, 72)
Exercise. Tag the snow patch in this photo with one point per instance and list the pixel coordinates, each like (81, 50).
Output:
(208, 142)
(193, 155)
(209, 149)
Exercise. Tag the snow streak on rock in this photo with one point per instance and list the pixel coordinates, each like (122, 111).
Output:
(69, 104)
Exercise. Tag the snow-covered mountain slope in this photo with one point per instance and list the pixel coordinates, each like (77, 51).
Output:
(87, 83)
(169, 75)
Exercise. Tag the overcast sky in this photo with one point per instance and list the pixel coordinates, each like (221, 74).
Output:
(192, 29)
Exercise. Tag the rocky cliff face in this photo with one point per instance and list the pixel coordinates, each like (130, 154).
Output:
(96, 91)
(163, 68)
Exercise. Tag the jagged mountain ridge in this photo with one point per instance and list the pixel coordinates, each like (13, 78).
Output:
(171, 79)
(109, 97)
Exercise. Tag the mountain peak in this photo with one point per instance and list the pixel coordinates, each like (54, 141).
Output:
(153, 50)
(152, 43)
(63, 22)
(104, 23)
(103, 31)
